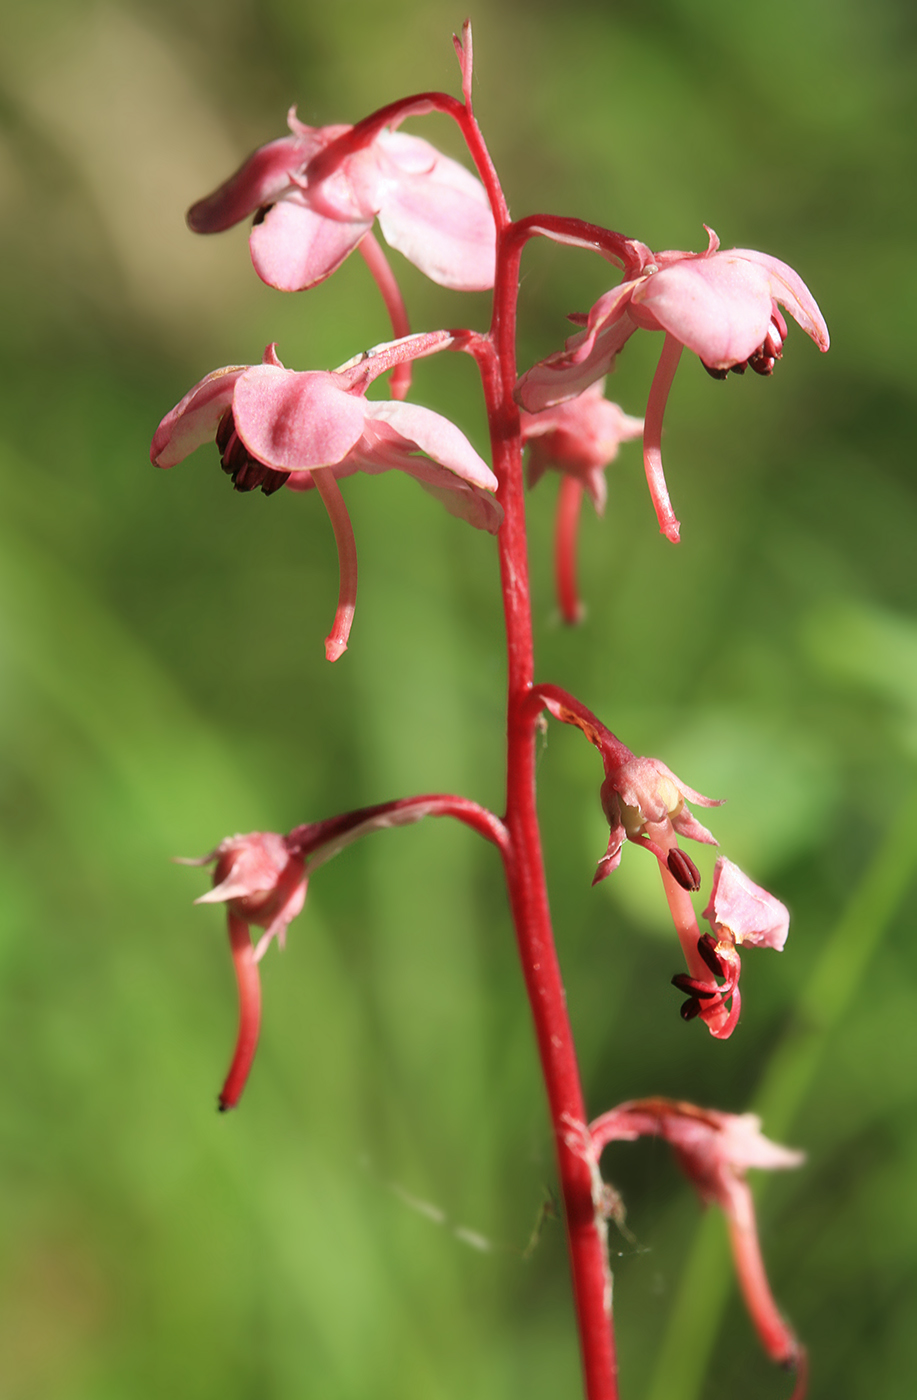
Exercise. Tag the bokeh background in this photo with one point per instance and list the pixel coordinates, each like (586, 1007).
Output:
(363, 1225)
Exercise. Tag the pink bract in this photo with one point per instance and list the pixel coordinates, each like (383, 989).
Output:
(430, 208)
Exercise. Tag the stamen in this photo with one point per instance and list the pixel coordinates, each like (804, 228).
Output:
(683, 869)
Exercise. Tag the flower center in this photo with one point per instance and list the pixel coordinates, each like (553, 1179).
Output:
(246, 471)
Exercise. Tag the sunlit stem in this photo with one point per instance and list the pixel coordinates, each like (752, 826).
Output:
(386, 281)
(249, 987)
(569, 502)
(330, 492)
(652, 437)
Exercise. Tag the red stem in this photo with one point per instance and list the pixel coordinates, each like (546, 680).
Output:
(249, 987)
(525, 875)
(569, 503)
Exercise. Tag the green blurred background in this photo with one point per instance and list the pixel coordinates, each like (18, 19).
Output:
(162, 684)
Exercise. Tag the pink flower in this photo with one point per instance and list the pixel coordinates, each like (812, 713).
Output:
(715, 1150)
(724, 305)
(579, 437)
(645, 803)
(317, 192)
(262, 881)
(276, 427)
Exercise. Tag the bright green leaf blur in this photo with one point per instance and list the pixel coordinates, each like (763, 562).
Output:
(355, 1231)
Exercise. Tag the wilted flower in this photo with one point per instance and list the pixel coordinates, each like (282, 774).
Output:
(715, 1150)
(261, 880)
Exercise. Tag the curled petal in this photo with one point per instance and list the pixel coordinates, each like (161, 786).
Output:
(435, 435)
(788, 288)
(194, 420)
(258, 181)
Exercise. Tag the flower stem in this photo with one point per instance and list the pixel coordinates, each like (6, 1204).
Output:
(525, 875)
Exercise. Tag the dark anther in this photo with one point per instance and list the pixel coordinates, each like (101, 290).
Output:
(706, 946)
(714, 373)
(740, 368)
(689, 1009)
(684, 983)
(683, 869)
(246, 471)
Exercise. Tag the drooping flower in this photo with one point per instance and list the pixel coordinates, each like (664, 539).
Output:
(276, 427)
(715, 1151)
(723, 305)
(261, 879)
(317, 192)
(579, 438)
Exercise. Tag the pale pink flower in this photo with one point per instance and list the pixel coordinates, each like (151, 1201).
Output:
(276, 427)
(715, 1150)
(317, 192)
(580, 438)
(261, 879)
(724, 305)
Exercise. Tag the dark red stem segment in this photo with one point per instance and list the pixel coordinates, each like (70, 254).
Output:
(249, 986)
(569, 504)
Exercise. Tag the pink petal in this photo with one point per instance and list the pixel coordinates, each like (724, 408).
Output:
(294, 247)
(294, 421)
(744, 911)
(437, 214)
(718, 306)
(429, 432)
(587, 356)
(788, 288)
(196, 418)
(259, 181)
